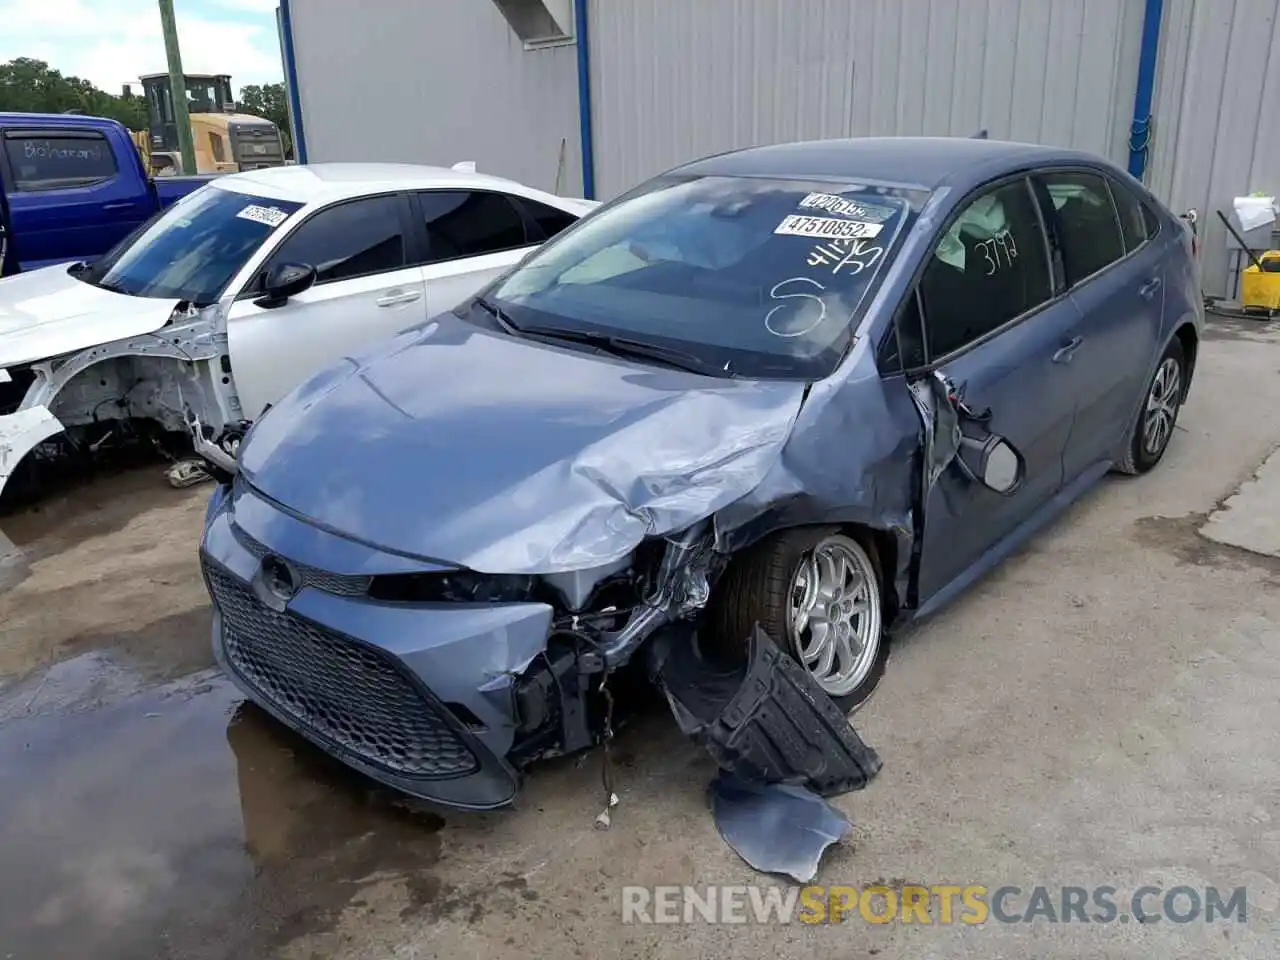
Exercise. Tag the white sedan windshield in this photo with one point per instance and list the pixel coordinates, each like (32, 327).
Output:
(192, 250)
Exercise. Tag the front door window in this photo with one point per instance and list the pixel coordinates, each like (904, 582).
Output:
(990, 267)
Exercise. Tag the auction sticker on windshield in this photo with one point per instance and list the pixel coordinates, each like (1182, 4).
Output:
(854, 209)
(800, 225)
(268, 216)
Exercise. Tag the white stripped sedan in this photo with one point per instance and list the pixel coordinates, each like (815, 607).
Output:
(218, 306)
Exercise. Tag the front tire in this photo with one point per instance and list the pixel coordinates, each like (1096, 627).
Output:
(819, 594)
(1159, 414)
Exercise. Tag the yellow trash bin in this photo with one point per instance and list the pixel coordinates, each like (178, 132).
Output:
(1260, 289)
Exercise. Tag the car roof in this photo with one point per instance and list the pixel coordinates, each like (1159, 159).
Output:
(921, 162)
(12, 119)
(338, 181)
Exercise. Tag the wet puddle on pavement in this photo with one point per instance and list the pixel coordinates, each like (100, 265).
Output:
(178, 821)
(147, 811)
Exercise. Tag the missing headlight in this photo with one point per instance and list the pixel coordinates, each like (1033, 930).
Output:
(456, 586)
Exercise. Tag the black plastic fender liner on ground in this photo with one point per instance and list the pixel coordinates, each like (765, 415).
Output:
(765, 721)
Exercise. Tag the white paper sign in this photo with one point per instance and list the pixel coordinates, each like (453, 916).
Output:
(829, 228)
(269, 216)
(830, 203)
(1255, 212)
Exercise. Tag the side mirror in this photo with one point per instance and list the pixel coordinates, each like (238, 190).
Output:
(285, 280)
(993, 462)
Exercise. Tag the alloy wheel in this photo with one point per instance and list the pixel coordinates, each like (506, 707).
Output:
(834, 615)
(1162, 406)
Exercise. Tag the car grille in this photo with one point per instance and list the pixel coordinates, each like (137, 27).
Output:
(339, 584)
(343, 692)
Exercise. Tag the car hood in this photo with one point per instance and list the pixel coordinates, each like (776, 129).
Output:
(48, 313)
(505, 455)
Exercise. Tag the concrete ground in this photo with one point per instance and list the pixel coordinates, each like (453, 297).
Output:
(1100, 711)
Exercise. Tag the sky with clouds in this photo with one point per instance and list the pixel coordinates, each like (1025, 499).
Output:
(113, 42)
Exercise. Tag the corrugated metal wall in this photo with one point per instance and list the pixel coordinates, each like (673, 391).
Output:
(444, 80)
(1217, 112)
(435, 81)
(678, 79)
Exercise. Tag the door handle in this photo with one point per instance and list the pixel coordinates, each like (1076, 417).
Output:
(1067, 350)
(118, 205)
(1148, 289)
(394, 298)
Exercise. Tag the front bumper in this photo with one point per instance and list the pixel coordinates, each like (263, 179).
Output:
(420, 697)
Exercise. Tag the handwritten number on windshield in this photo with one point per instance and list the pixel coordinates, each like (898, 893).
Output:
(793, 312)
(855, 254)
(1000, 252)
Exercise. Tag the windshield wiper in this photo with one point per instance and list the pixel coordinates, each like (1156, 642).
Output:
(505, 323)
(606, 342)
(632, 349)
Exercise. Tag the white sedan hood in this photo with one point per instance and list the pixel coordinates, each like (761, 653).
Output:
(48, 313)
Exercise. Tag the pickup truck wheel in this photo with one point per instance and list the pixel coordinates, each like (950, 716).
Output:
(818, 593)
(1159, 414)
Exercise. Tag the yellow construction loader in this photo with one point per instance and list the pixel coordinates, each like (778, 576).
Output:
(225, 141)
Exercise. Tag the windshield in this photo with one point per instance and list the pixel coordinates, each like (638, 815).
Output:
(203, 96)
(756, 277)
(193, 249)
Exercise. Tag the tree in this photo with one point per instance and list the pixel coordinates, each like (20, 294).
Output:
(32, 86)
(268, 102)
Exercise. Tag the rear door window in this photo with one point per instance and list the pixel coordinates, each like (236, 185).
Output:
(471, 223)
(1151, 220)
(548, 220)
(353, 239)
(1133, 225)
(58, 159)
(990, 267)
(1087, 223)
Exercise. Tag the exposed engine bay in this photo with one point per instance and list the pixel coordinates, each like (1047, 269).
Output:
(176, 381)
(634, 624)
(782, 745)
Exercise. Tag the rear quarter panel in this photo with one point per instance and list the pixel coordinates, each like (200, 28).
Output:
(1183, 287)
(1184, 298)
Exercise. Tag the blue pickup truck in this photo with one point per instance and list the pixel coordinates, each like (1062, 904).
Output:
(71, 187)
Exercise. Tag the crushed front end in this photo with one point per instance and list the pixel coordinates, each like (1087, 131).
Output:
(442, 586)
(434, 680)
(444, 683)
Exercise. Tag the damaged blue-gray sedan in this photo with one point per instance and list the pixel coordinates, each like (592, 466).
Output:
(722, 436)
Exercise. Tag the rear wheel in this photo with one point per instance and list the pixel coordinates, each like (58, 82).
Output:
(819, 594)
(1159, 414)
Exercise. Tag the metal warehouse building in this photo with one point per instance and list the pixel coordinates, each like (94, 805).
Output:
(591, 96)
